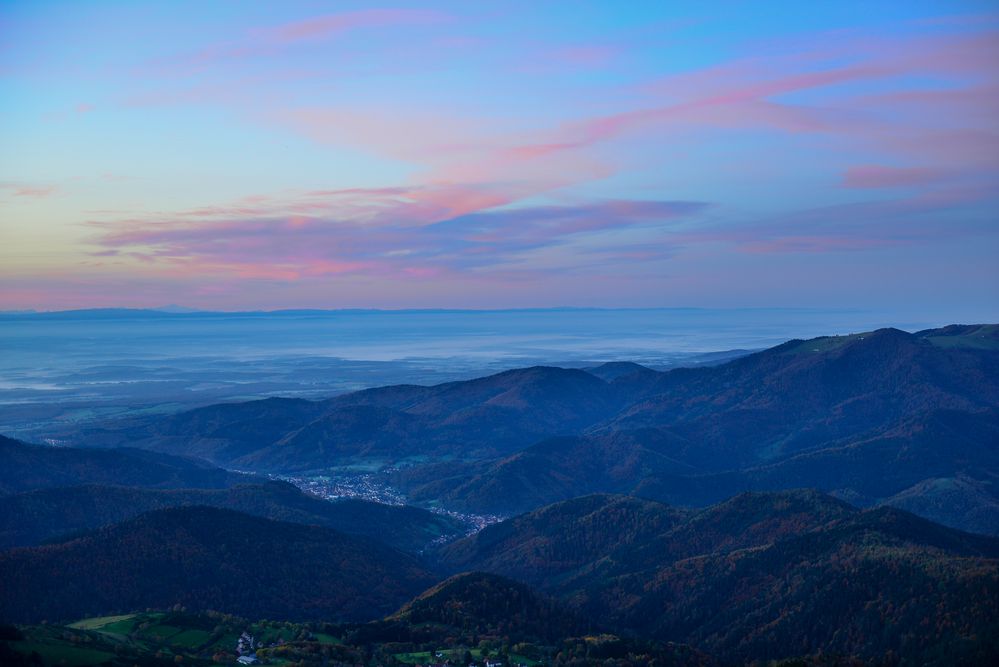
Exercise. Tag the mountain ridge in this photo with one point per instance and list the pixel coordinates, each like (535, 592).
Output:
(827, 412)
(209, 558)
(28, 467)
(764, 576)
(45, 515)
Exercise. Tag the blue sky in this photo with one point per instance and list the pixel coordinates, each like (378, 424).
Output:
(312, 154)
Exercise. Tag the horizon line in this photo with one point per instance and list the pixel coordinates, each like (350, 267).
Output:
(185, 311)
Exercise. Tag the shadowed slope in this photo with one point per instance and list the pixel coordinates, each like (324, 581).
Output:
(24, 467)
(760, 576)
(208, 558)
(31, 518)
(476, 602)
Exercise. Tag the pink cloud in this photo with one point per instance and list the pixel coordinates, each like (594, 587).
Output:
(290, 248)
(467, 162)
(491, 162)
(724, 103)
(30, 191)
(465, 211)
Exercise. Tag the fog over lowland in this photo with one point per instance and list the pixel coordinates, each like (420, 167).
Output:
(80, 365)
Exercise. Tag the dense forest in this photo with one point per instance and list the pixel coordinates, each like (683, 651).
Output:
(209, 558)
(758, 576)
(31, 518)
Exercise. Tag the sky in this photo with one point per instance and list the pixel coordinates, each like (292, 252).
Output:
(301, 154)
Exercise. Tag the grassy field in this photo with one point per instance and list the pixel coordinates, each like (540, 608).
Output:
(63, 654)
(162, 632)
(190, 639)
(414, 658)
(423, 657)
(819, 345)
(93, 641)
(124, 627)
(100, 622)
(57, 646)
(196, 640)
(985, 337)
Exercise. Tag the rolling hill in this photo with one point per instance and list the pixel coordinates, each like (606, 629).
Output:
(48, 514)
(883, 584)
(209, 558)
(482, 417)
(548, 544)
(496, 619)
(488, 604)
(903, 460)
(957, 500)
(26, 467)
(807, 394)
(761, 576)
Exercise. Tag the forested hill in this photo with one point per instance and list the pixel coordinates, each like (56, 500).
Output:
(488, 604)
(49, 514)
(25, 467)
(209, 558)
(819, 576)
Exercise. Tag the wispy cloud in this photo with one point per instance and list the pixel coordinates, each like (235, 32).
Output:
(381, 233)
(29, 191)
(472, 207)
(468, 145)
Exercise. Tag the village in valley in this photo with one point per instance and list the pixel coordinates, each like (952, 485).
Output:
(340, 485)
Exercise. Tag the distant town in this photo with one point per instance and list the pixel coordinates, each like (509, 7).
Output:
(340, 485)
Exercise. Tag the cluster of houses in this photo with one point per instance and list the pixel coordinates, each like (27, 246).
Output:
(246, 649)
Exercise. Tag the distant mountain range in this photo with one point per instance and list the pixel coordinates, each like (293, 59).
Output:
(175, 309)
(885, 416)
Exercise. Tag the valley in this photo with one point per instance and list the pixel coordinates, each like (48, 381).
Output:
(375, 488)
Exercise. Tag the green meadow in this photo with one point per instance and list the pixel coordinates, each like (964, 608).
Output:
(151, 638)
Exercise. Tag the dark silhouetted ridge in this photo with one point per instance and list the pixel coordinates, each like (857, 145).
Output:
(24, 467)
(48, 514)
(209, 558)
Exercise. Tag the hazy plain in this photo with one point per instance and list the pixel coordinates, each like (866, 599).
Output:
(68, 367)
